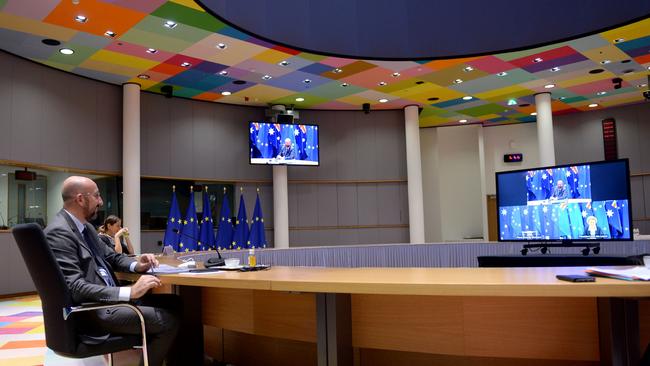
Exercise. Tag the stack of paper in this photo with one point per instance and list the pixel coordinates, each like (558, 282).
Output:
(167, 269)
(628, 274)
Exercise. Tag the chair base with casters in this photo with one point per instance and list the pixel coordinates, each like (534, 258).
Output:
(62, 334)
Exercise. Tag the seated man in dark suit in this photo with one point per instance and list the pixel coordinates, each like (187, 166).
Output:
(88, 265)
(560, 192)
(287, 152)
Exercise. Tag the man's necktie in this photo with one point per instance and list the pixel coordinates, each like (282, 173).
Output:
(105, 272)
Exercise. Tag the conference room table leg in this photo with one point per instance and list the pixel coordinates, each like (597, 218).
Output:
(334, 329)
(618, 328)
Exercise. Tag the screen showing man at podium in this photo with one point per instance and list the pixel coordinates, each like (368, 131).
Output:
(588, 201)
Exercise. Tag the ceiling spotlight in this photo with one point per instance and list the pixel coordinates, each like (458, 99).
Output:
(221, 46)
(462, 121)
(468, 69)
(382, 83)
(80, 19)
(143, 76)
(307, 81)
(284, 63)
(641, 85)
(383, 100)
(549, 86)
(538, 59)
(267, 77)
(170, 24)
(110, 33)
(51, 42)
(467, 97)
(533, 114)
(345, 85)
(593, 105)
(619, 40)
(512, 102)
(458, 81)
(66, 51)
(152, 50)
(186, 64)
(502, 73)
(648, 67)
(223, 72)
(561, 98)
(226, 93)
(395, 74)
(300, 99)
(605, 62)
(555, 69)
(337, 71)
(601, 93)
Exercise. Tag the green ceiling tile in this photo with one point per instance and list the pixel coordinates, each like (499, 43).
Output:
(3, 3)
(186, 33)
(312, 57)
(310, 100)
(574, 99)
(81, 53)
(188, 16)
(482, 110)
(334, 90)
(186, 92)
(153, 40)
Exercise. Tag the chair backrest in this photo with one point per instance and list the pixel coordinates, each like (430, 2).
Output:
(60, 335)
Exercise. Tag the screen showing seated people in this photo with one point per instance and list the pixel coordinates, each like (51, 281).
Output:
(288, 144)
(580, 202)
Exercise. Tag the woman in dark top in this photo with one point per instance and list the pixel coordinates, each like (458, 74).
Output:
(115, 236)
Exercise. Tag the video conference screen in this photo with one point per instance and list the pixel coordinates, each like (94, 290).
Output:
(582, 202)
(283, 144)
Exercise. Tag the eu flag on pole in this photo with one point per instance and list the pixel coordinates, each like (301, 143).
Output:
(240, 237)
(224, 229)
(257, 238)
(190, 231)
(206, 236)
(172, 232)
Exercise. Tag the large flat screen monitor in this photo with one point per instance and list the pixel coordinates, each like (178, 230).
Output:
(577, 202)
(283, 144)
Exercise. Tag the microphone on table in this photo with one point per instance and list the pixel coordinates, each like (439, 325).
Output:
(211, 262)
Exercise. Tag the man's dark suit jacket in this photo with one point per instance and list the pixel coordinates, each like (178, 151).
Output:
(76, 260)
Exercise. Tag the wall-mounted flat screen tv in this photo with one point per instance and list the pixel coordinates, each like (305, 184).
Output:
(283, 144)
(577, 202)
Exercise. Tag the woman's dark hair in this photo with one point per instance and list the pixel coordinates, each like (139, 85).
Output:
(110, 220)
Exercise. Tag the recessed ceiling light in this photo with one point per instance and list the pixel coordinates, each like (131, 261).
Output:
(239, 82)
(143, 76)
(502, 73)
(110, 33)
(601, 93)
(593, 105)
(395, 74)
(307, 81)
(300, 99)
(267, 77)
(223, 72)
(596, 71)
(225, 93)
(221, 46)
(533, 114)
(468, 69)
(66, 51)
(433, 99)
(619, 40)
(605, 62)
(81, 19)
(51, 42)
(383, 100)
(170, 24)
(186, 64)
(345, 85)
(512, 102)
(382, 83)
(524, 104)
(555, 69)
(626, 61)
(538, 59)
(462, 121)
(467, 97)
(561, 98)
(549, 86)
(458, 81)
(284, 63)
(419, 82)
(337, 71)
(648, 67)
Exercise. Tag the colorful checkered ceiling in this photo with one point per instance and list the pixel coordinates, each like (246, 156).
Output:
(204, 59)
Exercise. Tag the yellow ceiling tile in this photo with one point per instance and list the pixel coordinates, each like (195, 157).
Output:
(628, 32)
(431, 121)
(236, 52)
(271, 56)
(189, 3)
(265, 92)
(609, 52)
(584, 79)
(123, 60)
(144, 84)
(355, 100)
(110, 68)
(513, 91)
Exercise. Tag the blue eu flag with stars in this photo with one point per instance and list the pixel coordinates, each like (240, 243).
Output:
(257, 238)
(240, 238)
(190, 231)
(206, 236)
(224, 228)
(172, 232)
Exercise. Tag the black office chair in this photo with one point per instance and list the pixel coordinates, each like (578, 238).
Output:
(62, 333)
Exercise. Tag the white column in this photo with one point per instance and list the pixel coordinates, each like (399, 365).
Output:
(414, 174)
(545, 129)
(280, 201)
(481, 162)
(131, 161)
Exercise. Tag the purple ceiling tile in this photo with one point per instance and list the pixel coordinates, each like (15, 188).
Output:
(560, 61)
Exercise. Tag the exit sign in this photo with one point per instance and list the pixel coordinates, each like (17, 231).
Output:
(513, 158)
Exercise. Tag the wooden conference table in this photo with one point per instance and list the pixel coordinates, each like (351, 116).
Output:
(520, 313)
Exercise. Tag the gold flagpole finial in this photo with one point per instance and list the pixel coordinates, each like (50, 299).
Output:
(258, 189)
(174, 188)
(241, 189)
(206, 188)
(191, 188)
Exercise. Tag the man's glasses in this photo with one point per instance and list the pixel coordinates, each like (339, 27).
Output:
(95, 194)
